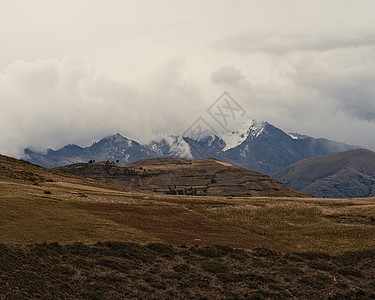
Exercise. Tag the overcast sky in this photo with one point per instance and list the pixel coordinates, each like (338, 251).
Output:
(74, 71)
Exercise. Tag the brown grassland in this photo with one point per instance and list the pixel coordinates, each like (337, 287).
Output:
(66, 212)
(41, 206)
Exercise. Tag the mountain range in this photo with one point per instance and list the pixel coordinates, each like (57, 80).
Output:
(261, 147)
(349, 174)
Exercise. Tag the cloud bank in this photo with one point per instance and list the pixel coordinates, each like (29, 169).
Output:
(280, 43)
(142, 70)
(228, 75)
(50, 103)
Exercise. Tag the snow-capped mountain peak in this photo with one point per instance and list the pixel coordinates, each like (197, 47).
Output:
(256, 128)
(117, 138)
(236, 137)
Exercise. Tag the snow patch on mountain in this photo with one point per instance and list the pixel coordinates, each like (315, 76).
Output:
(250, 129)
(211, 140)
(297, 136)
(293, 136)
(233, 138)
(245, 151)
(257, 128)
(154, 147)
(117, 138)
(126, 158)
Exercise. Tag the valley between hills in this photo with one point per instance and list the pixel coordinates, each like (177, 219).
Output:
(96, 239)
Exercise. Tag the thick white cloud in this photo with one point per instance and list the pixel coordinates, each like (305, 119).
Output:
(344, 83)
(227, 75)
(49, 103)
(144, 68)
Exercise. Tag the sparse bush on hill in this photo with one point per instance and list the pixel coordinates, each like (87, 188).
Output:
(213, 266)
(189, 191)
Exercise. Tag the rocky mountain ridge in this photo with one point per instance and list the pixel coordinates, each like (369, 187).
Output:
(262, 147)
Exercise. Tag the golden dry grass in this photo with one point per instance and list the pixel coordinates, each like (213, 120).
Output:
(65, 209)
(75, 212)
(328, 225)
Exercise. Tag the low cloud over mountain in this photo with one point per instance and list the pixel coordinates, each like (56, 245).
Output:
(261, 147)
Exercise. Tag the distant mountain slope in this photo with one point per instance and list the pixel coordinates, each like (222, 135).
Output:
(261, 147)
(110, 148)
(186, 177)
(268, 149)
(342, 175)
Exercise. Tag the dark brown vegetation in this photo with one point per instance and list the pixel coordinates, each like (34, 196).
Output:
(115, 270)
(204, 177)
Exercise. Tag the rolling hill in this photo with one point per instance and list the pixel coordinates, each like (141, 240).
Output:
(349, 174)
(42, 205)
(63, 236)
(204, 177)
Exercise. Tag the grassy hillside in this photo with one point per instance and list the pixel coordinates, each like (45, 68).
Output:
(58, 207)
(55, 228)
(202, 177)
(349, 174)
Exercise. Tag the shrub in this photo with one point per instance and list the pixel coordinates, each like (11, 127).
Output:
(320, 265)
(214, 267)
(316, 280)
(212, 251)
(162, 249)
(181, 268)
(350, 271)
(115, 264)
(239, 254)
(263, 252)
(315, 255)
